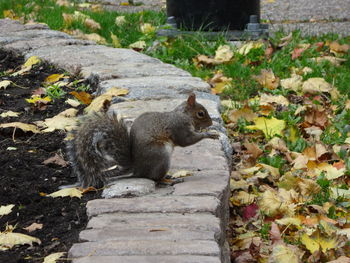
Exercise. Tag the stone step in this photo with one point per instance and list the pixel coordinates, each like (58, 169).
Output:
(145, 233)
(198, 221)
(148, 259)
(155, 204)
(145, 247)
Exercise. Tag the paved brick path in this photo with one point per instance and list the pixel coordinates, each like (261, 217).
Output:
(182, 223)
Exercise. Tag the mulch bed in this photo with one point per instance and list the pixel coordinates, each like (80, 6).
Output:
(23, 176)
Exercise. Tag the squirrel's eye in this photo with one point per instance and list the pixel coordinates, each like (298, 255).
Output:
(200, 114)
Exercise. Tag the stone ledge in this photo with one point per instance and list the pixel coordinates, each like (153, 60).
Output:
(148, 259)
(155, 204)
(145, 247)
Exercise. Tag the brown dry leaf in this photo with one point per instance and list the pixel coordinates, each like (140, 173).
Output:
(20, 125)
(317, 117)
(82, 96)
(286, 40)
(341, 259)
(93, 36)
(242, 198)
(67, 19)
(246, 112)
(201, 60)
(316, 85)
(278, 144)
(253, 149)
(275, 234)
(219, 82)
(297, 52)
(57, 159)
(338, 49)
(92, 24)
(246, 48)
(33, 227)
(267, 79)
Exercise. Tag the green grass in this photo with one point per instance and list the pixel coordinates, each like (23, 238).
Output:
(181, 50)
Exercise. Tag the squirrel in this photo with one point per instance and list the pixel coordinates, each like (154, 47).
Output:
(102, 142)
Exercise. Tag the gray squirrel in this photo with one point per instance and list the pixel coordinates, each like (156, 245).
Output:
(102, 142)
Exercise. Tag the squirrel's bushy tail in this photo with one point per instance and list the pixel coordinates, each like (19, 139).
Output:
(100, 142)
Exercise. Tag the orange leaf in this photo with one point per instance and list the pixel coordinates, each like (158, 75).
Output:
(82, 96)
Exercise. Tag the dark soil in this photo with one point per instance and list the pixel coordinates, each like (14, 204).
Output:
(24, 177)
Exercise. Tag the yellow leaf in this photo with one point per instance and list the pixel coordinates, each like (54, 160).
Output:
(65, 120)
(23, 126)
(52, 258)
(316, 85)
(270, 127)
(6, 209)
(289, 221)
(317, 242)
(54, 78)
(147, 28)
(220, 87)
(98, 103)
(9, 240)
(330, 171)
(9, 14)
(223, 53)
(38, 98)
(246, 48)
(242, 198)
(124, 4)
(267, 99)
(138, 45)
(270, 203)
(31, 61)
(72, 192)
(246, 113)
(120, 20)
(5, 83)
(115, 41)
(282, 253)
(9, 114)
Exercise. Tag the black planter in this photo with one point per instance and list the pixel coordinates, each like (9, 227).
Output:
(213, 15)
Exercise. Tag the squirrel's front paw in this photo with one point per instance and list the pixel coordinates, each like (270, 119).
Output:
(213, 135)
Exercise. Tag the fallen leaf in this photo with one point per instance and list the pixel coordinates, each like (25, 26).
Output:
(338, 49)
(246, 48)
(282, 253)
(297, 52)
(253, 149)
(6, 209)
(65, 120)
(115, 41)
(71, 192)
(98, 103)
(138, 45)
(31, 61)
(316, 85)
(286, 40)
(181, 173)
(223, 53)
(341, 259)
(242, 198)
(57, 159)
(270, 127)
(9, 114)
(246, 112)
(73, 103)
(147, 28)
(82, 96)
(266, 99)
(333, 60)
(317, 242)
(52, 258)
(295, 82)
(92, 24)
(267, 79)
(20, 125)
(54, 78)
(275, 234)
(5, 83)
(10, 239)
(250, 211)
(36, 99)
(33, 227)
(120, 20)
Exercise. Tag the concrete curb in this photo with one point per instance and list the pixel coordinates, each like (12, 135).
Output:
(183, 223)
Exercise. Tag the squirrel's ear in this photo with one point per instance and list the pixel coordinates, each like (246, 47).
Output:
(191, 101)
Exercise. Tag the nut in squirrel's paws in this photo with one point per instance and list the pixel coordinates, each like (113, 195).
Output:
(213, 135)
